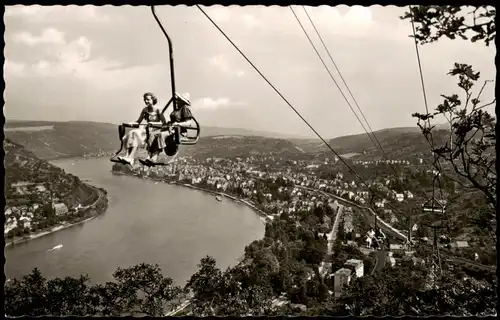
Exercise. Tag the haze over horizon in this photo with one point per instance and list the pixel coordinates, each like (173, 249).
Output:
(88, 63)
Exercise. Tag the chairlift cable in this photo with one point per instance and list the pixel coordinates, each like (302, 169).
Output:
(290, 105)
(331, 76)
(282, 97)
(436, 160)
(352, 96)
(374, 137)
(345, 83)
(431, 142)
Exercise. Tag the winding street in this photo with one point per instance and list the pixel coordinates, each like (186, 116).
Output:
(332, 236)
(380, 255)
(386, 228)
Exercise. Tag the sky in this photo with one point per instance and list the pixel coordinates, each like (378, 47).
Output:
(93, 63)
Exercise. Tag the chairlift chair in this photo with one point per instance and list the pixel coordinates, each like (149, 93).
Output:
(434, 205)
(181, 133)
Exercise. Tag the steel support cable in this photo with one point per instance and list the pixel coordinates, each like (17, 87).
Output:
(423, 85)
(352, 96)
(338, 87)
(284, 99)
(431, 142)
(348, 89)
(352, 109)
(331, 76)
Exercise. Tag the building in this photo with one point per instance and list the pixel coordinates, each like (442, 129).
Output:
(408, 195)
(392, 261)
(459, 244)
(334, 205)
(400, 197)
(396, 247)
(356, 266)
(60, 209)
(342, 277)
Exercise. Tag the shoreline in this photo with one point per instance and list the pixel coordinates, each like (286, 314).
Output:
(259, 212)
(94, 206)
(103, 196)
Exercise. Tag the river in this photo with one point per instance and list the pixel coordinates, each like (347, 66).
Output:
(146, 221)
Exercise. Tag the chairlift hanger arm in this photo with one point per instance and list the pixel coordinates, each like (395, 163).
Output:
(171, 57)
(167, 105)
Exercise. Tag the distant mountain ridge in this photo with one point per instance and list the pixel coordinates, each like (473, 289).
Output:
(396, 142)
(207, 130)
(52, 140)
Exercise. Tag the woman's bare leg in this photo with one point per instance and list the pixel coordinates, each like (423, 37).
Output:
(130, 156)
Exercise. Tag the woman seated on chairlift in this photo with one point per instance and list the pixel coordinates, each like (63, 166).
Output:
(157, 139)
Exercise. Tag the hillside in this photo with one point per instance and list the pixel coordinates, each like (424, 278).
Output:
(40, 195)
(244, 146)
(396, 142)
(29, 179)
(51, 140)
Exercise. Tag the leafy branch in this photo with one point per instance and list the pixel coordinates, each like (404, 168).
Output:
(450, 21)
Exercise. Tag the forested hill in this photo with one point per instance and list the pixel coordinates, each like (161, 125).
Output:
(30, 180)
(52, 140)
(398, 143)
(232, 146)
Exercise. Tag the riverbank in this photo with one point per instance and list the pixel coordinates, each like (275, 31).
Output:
(255, 208)
(233, 198)
(185, 304)
(95, 209)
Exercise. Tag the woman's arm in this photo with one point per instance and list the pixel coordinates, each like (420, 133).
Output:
(162, 117)
(136, 123)
(141, 117)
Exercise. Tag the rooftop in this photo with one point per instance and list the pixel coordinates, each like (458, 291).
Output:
(343, 272)
(353, 262)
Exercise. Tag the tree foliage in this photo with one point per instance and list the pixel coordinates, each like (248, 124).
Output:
(230, 293)
(470, 150)
(141, 289)
(435, 22)
(286, 261)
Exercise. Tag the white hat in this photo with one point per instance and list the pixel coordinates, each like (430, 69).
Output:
(184, 97)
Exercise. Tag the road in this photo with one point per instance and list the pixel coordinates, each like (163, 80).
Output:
(386, 228)
(332, 236)
(380, 256)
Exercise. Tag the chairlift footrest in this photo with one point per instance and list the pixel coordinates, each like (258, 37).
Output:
(116, 160)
